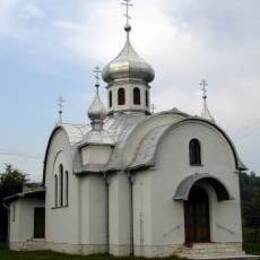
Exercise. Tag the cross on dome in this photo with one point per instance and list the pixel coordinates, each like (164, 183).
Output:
(98, 73)
(205, 110)
(60, 103)
(127, 4)
(204, 85)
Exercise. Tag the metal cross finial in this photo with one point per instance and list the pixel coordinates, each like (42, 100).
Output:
(60, 102)
(204, 85)
(127, 4)
(97, 72)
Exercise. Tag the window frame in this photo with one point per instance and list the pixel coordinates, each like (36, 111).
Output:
(61, 186)
(136, 96)
(110, 98)
(147, 98)
(195, 158)
(121, 97)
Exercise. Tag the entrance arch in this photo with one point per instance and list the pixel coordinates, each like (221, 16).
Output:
(196, 213)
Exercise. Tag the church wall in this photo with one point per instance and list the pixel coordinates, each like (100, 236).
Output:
(217, 160)
(61, 222)
(172, 166)
(21, 224)
(119, 214)
(129, 97)
(93, 214)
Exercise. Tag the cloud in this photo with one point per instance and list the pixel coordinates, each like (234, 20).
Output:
(17, 18)
(185, 41)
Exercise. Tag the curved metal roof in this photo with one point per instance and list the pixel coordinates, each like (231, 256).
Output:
(184, 188)
(147, 151)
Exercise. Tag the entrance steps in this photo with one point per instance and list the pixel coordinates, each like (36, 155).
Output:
(214, 251)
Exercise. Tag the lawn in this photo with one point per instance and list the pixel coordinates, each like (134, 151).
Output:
(252, 248)
(5, 254)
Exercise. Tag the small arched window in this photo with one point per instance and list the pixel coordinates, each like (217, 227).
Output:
(121, 96)
(110, 97)
(67, 187)
(61, 185)
(137, 96)
(147, 98)
(195, 152)
(56, 191)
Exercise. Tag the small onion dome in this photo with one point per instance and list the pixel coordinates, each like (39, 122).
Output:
(128, 65)
(97, 112)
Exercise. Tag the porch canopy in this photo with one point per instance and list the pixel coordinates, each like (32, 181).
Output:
(184, 188)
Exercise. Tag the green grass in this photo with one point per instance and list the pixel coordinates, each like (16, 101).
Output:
(6, 254)
(252, 248)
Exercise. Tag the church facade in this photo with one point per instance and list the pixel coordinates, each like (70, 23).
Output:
(133, 182)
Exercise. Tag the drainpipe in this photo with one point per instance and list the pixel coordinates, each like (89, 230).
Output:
(130, 179)
(107, 211)
(8, 219)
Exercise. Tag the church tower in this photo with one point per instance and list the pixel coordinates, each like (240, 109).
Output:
(128, 77)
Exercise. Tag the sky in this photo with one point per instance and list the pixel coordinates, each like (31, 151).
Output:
(49, 49)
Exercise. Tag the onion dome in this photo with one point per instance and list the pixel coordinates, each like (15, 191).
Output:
(97, 112)
(128, 65)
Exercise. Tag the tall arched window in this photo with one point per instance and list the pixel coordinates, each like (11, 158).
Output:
(147, 98)
(67, 187)
(195, 152)
(121, 96)
(61, 185)
(137, 96)
(56, 191)
(110, 97)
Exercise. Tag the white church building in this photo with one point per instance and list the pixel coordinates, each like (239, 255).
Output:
(134, 182)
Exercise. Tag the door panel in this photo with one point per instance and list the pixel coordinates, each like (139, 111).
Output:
(197, 216)
(39, 223)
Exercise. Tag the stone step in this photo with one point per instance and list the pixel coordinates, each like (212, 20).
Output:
(214, 245)
(213, 250)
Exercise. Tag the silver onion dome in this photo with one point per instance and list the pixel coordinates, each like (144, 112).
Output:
(97, 112)
(128, 65)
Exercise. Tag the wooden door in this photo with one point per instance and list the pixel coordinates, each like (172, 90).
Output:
(196, 211)
(39, 223)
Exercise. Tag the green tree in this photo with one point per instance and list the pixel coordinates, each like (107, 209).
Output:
(12, 181)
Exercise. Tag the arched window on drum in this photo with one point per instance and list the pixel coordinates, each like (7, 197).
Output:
(195, 152)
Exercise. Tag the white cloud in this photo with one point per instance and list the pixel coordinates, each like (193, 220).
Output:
(184, 40)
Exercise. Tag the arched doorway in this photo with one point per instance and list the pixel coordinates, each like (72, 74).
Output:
(196, 210)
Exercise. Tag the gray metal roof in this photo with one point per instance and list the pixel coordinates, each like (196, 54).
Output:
(118, 128)
(184, 188)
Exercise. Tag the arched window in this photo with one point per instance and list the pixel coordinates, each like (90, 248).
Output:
(56, 191)
(147, 98)
(195, 152)
(121, 96)
(67, 187)
(137, 96)
(61, 185)
(110, 97)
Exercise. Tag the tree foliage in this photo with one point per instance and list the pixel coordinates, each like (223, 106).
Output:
(11, 182)
(250, 205)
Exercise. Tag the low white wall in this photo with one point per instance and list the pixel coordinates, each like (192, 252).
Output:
(21, 221)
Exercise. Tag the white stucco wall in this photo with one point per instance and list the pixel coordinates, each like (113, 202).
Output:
(21, 220)
(129, 100)
(96, 154)
(61, 223)
(92, 210)
(119, 214)
(163, 217)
